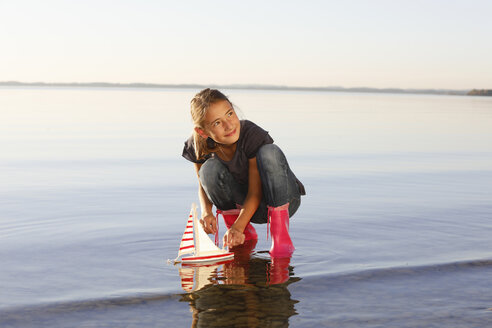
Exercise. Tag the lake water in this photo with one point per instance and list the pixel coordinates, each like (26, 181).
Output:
(395, 229)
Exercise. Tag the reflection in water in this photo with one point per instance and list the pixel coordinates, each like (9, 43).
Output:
(244, 292)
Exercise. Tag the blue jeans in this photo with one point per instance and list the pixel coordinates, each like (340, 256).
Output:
(279, 184)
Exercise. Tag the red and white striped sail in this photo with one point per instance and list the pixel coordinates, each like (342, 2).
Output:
(187, 244)
(196, 241)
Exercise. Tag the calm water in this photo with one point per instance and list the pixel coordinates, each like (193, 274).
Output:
(395, 230)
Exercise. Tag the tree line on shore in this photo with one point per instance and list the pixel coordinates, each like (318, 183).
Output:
(480, 92)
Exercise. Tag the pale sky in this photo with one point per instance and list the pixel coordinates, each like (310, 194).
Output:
(402, 44)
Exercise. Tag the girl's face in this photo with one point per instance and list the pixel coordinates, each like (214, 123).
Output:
(222, 123)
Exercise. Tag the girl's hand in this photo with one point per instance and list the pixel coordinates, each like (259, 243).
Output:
(233, 237)
(209, 223)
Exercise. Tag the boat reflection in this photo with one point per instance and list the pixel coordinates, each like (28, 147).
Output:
(248, 291)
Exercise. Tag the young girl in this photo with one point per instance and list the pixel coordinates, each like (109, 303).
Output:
(242, 173)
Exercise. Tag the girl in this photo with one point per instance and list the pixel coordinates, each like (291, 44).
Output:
(242, 173)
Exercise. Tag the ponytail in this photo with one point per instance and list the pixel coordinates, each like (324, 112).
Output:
(202, 148)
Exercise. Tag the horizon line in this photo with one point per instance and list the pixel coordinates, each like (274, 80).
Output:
(239, 86)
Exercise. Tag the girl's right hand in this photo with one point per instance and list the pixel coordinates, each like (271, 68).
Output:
(209, 223)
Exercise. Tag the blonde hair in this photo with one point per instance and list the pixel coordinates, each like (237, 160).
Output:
(199, 106)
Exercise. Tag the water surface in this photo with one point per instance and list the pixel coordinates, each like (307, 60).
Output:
(395, 229)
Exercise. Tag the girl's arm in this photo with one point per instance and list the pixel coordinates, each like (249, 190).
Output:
(208, 220)
(234, 236)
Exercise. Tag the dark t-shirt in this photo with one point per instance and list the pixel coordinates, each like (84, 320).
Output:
(251, 138)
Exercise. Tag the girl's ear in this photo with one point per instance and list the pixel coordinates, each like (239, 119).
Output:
(201, 133)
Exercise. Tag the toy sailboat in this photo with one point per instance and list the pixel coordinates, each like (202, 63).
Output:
(198, 243)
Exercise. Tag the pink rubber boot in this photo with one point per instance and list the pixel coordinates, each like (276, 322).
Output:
(279, 229)
(230, 217)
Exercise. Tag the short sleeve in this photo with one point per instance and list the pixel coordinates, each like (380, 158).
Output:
(189, 151)
(254, 138)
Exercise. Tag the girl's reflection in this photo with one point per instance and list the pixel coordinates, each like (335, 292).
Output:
(248, 291)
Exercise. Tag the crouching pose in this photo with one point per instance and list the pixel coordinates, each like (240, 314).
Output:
(242, 173)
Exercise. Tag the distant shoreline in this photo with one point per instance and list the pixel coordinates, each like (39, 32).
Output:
(246, 87)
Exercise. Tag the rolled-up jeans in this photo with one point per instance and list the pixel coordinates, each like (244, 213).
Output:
(279, 184)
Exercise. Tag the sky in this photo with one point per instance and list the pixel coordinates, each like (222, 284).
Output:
(399, 44)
